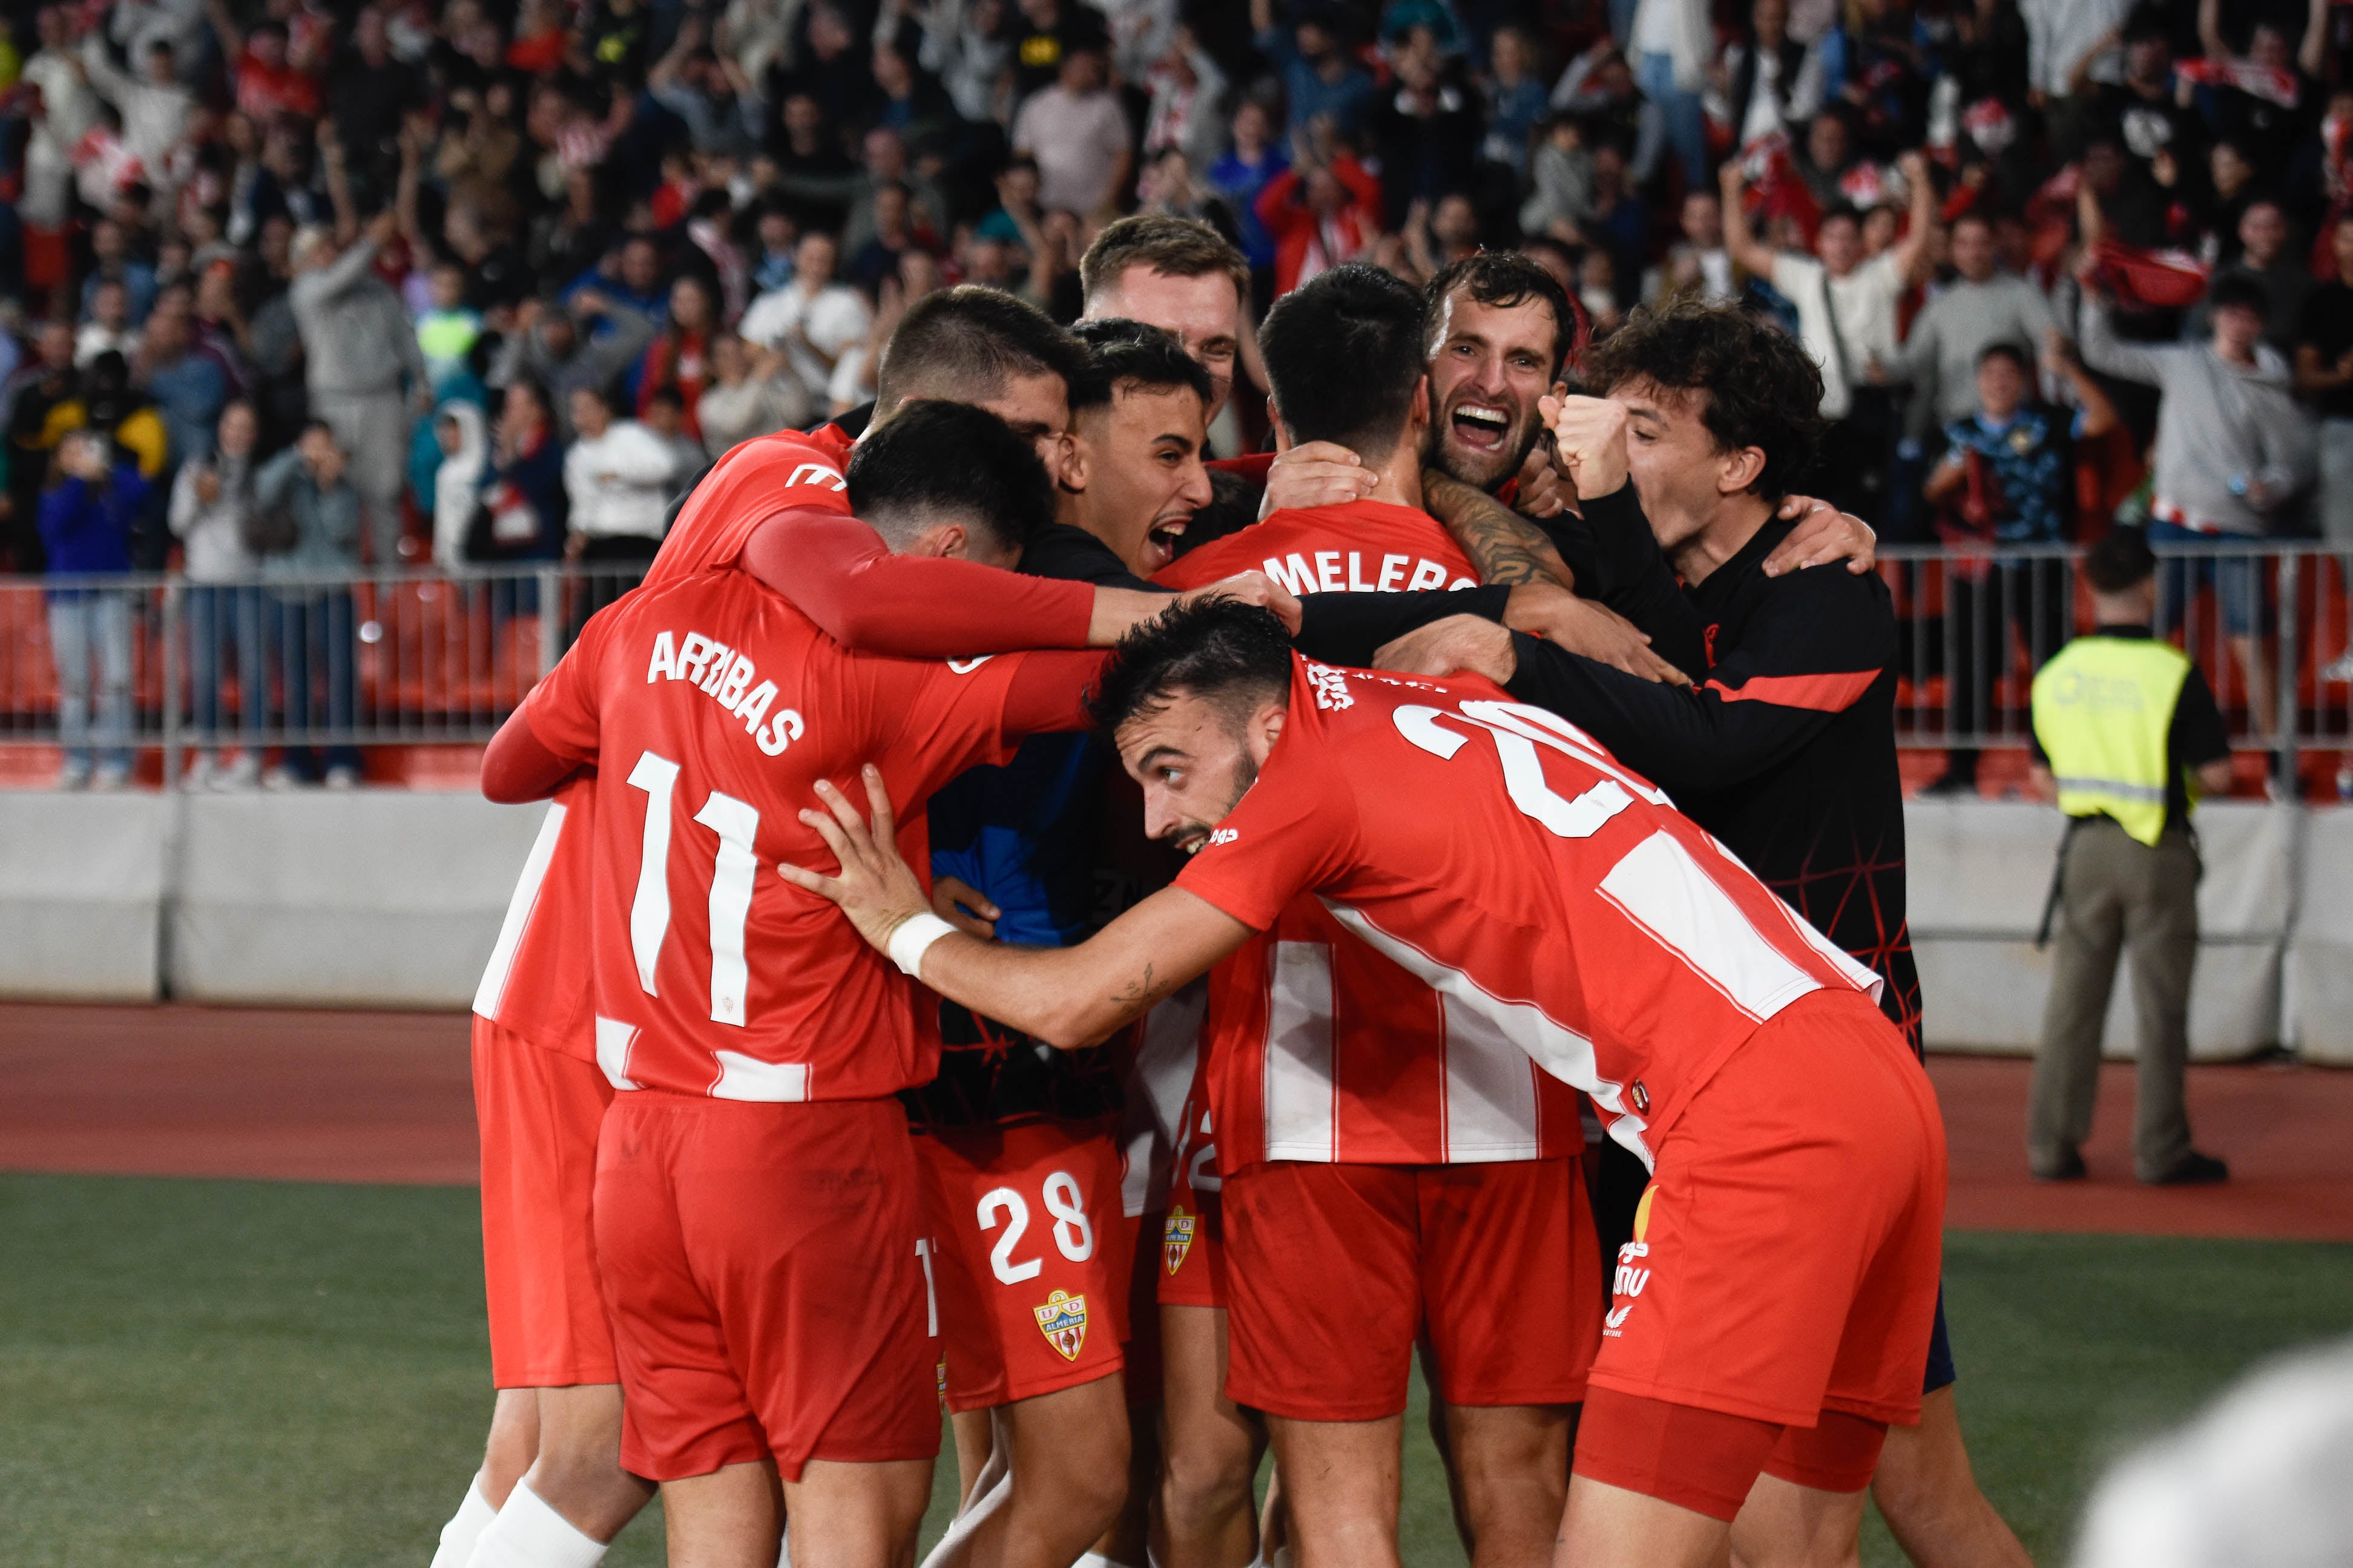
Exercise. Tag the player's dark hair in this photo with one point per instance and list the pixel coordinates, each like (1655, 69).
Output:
(1217, 649)
(2120, 562)
(967, 344)
(1756, 385)
(1504, 280)
(1344, 354)
(941, 461)
(1161, 242)
(1127, 356)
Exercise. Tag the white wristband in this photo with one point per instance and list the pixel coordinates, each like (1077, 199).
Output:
(912, 939)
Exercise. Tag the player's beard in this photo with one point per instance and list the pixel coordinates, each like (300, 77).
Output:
(1190, 836)
(1482, 467)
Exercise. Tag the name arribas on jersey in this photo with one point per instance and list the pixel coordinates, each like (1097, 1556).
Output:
(726, 676)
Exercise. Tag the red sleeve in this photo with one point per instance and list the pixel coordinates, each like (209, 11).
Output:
(1252, 465)
(1049, 692)
(837, 571)
(1294, 830)
(562, 708)
(1274, 203)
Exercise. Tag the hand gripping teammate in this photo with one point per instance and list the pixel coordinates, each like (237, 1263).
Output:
(777, 504)
(1774, 1309)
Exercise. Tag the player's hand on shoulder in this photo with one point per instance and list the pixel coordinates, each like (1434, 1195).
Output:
(1317, 473)
(1250, 588)
(875, 887)
(1450, 646)
(1825, 535)
(1583, 626)
(963, 906)
(1588, 437)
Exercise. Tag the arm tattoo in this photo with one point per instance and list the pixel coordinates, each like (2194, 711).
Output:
(1505, 548)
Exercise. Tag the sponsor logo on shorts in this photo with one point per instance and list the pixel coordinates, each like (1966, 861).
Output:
(1626, 1285)
(1176, 1237)
(1063, 1320)
(1631, 1276)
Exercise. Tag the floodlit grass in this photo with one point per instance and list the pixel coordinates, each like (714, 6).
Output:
(240, 1373)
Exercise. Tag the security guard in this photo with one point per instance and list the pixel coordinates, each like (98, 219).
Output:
(2125, 728)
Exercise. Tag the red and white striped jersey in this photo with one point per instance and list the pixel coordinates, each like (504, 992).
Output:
(1319, 1048)
(538, 982)
(1556, 902)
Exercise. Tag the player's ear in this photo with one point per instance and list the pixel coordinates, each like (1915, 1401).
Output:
(1738, 468)
(1266, 728)
(1073, 476)
(1282, 441)
(1420, 413)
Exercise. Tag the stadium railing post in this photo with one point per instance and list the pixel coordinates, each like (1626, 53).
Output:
(2287, 698)
(171, 716)
(551, 618)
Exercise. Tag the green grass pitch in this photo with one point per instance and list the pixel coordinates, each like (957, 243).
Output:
(229, 1373)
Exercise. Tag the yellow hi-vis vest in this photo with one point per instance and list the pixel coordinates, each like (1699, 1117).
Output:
(2102, 708)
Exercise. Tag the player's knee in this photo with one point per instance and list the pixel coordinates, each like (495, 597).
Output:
(1201, 1479)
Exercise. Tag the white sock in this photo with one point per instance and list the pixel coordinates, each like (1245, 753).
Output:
(1097, 1559)
(969, 1519)
(530, 1535)
(465, 1527)
(785, 1549)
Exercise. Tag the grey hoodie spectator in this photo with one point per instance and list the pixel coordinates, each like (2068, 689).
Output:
(309, 624)
(362, 363)
(2231, 442)
(2233, 445)
(555, 349)
(214, 513)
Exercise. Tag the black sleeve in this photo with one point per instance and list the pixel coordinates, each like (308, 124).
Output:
(1813, 649)
(1346, 628)
(1631, 578)
(2197, 735)
(1073, 556)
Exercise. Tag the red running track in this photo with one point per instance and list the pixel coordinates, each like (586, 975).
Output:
(385, 1097)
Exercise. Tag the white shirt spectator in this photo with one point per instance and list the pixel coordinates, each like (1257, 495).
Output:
(1846, 323)
(1080, 142)
(154, 115)
(2060, 33)
(834, 321)
(619, 482)
(68, 108)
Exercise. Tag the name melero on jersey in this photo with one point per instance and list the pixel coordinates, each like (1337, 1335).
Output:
(726, 676)
(1327, 575)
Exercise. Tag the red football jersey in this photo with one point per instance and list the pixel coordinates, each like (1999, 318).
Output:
(1359, 547)
(1558, 902)
(538, 980)
(1319, 1048)
(709, 708)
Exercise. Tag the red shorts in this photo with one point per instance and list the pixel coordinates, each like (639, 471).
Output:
(1786, 1254)
(1191, 1266)
(763, 1269)
(1032, 1256)
(1336, 1268)
(539, 1111)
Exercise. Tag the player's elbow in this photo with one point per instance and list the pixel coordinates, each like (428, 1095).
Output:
(1073, 1025)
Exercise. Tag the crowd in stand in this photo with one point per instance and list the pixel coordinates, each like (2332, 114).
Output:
(340, 287)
